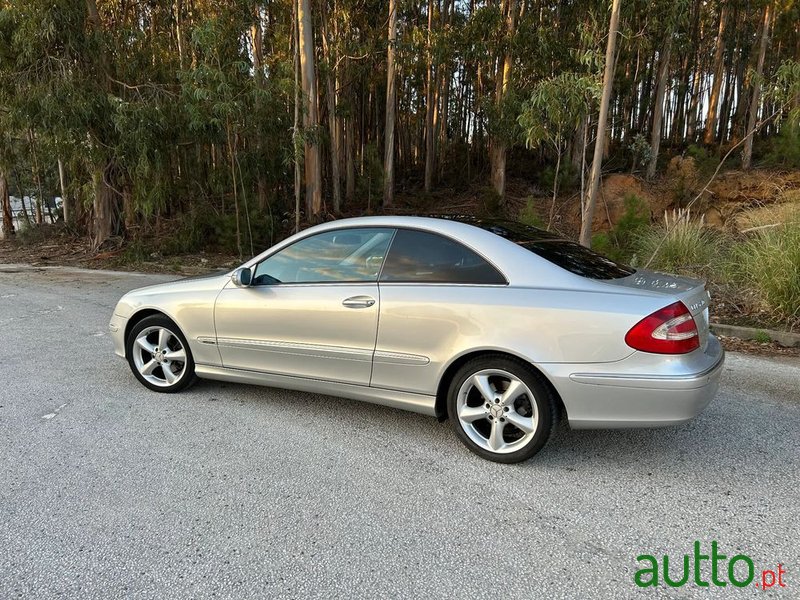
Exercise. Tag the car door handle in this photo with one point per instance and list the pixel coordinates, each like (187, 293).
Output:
(358, 302)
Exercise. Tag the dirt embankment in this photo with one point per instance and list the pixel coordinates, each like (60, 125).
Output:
(736, 200)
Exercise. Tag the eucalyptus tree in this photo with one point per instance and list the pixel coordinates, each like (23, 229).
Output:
(718, 74)
(755, 94)
(391, 101)
(588, 204)
(498, 144)
(676, 12)
(7, 230)
(556, 108)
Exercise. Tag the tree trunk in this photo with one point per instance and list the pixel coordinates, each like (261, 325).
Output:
(498, 144)
(608, 80)
(578, 147)
(430, 135)
(103, 203)
(391, 93)
(128, 209)
(350, 165)
(644, 98)
(658, 106)
(36, 178)
(21, 191)
(555, 183)
(752, 121)
(257, 37)
(737, 124)
(445, 81)
(258, 43)
(103, 208)
(66, 207)
(333, 120)
(719, 72)
(177, 10)
(684, 88)
(296, 126)
(232, 165)
(444, 96)
(695, 93)
(5, 202)
(311, 113)
(725, 107)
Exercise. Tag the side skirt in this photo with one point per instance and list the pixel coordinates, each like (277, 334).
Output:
(417, 403)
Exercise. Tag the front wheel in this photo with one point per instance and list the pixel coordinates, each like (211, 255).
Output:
(159, 355)
(501, 409)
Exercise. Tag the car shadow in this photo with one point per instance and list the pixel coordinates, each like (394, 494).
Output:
(716, 436)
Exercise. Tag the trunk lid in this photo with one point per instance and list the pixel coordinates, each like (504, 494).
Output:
(692, 292)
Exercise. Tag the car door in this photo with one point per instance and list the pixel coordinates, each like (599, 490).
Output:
(311, 309)
(436, 294)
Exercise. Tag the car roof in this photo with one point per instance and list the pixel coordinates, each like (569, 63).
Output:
(505, 228)
(494, 239)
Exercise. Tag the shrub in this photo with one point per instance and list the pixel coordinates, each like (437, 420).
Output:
(30, 233)
(784, 148)
(619, 242)
(528, 215)
(603, 243)
(684, 178)
(762, 337)
(769, 264)
(489, 201)
(206, 230)
(135, 251)
(567, 176)
(640, 151)
(681, 245)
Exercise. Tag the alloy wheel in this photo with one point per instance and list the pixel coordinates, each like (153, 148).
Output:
(497, 411)
(159, 356)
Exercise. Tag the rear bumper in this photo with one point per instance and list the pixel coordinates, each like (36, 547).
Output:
(674, 391)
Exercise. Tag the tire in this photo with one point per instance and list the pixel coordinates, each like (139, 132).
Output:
(501, 429)
(160, 371)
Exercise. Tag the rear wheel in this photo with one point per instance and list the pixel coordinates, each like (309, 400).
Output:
(159, 355)
(501, 409)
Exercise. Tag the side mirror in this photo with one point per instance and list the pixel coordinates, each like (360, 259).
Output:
(242, 277)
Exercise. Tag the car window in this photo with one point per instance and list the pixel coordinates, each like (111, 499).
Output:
(431, 258)
(341, 255)
(561, 252)
(578, 259)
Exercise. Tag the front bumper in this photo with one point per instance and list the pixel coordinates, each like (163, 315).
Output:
(116, 328)
(673, 391)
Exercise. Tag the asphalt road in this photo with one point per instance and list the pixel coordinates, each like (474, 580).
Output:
(108, 490)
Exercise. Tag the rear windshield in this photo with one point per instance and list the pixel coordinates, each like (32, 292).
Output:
(566, 254)
(578, 259)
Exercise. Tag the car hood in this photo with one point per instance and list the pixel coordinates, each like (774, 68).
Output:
(205, 280)
(163, 294)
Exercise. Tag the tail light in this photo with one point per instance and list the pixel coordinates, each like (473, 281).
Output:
(670, 330)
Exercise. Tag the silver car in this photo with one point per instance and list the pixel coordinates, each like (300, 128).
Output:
(502, 328)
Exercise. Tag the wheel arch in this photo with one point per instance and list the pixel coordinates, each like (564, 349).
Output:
(141, 314)
(459, 361)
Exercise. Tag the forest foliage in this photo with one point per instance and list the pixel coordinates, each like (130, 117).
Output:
(225, 118)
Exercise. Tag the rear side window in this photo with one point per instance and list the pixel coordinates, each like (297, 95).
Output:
(419, 256)
(578, 259)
